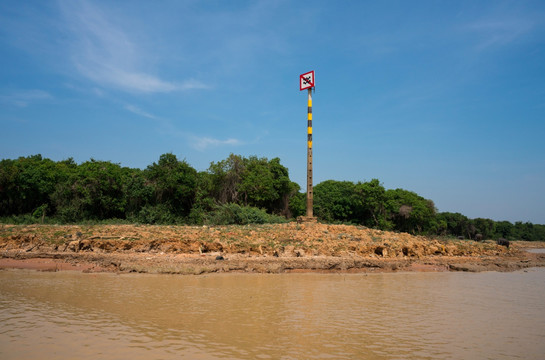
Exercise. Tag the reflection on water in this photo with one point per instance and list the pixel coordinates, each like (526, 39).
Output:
(290, 316)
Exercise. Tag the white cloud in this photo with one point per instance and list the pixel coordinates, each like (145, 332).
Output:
(102, 52)
(136, 110)
(23, 98)
(202, 143)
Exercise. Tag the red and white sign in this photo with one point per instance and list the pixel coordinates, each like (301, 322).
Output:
(306, 80)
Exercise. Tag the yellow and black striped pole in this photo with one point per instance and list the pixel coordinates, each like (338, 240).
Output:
(309, 156)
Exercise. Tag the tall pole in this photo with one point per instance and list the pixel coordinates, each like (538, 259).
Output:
(309, 157)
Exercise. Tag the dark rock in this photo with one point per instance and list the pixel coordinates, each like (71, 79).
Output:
(86, 245)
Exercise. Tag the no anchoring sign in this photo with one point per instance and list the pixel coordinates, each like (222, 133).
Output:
(306, 80)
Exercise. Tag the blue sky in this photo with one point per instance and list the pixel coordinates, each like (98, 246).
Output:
(444, 98)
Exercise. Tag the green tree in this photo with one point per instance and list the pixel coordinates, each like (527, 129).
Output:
(226, 176)
(373, 204)
(457, 224)
(137, 191)
(10, 199)
(253, 181)
(504, 229)
(524, 231)
(257, 184)
(410, 212)
(485, 227)
(204, 200)
(174, 184)
(266, 184)
(298, 204)
(337, 201)
(93, 191)
(27, 183)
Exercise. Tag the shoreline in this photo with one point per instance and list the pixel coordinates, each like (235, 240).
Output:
(185, 265)
(283, 248)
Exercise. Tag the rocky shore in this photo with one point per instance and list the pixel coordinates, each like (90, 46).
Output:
(256, 248)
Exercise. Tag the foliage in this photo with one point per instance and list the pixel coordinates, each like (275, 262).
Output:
(174, 184)
(298, 203)
(485, 227)
(336, 201)
(154, 214)
(26, 183)
(234, 214)
(137, 192)
(456, 224)
(237, 190)
(373, 204)
(204, 202)
(409, 212)
(252, 181)
(93, 192)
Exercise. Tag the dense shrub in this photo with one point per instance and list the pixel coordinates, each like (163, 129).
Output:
(234, 214)
(155, 214)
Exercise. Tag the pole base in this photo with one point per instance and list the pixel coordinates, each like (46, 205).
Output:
(307, 219)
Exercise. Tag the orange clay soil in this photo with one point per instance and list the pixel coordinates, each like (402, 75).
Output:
(275, 248)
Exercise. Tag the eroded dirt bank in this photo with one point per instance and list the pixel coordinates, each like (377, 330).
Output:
(256, 248)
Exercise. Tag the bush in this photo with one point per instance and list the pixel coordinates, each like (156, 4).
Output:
(234, 214)
(197, 216)
(157, 214)
(26, 219)
(69, 214)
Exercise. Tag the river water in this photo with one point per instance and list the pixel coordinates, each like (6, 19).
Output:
(68, 315)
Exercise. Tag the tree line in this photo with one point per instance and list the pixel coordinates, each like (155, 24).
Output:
(371, 205)
(237, 190)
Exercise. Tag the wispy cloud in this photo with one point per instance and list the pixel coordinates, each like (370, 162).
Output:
(136, 110)
(498, 32)
(103, 52)
(24, 98)
(202, 143)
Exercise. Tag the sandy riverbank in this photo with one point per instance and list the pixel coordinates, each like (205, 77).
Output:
(257, 248)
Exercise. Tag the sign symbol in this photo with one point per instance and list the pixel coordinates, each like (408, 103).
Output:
(306, 80)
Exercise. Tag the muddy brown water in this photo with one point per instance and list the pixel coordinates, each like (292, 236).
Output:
(69, 315)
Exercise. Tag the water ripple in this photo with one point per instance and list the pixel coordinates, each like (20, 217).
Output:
(292, 316)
